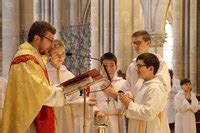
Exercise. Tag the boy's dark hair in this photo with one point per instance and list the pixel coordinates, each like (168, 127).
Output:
(145, 35)
(184, 81)
(171, 73)
(40, 28)
(150, 59)
(108, 56)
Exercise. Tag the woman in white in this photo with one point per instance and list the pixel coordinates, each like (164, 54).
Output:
(58, 73)
(107, 99)
(186, 104)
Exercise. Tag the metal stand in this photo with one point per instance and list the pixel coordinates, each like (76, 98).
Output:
(101, 129)
(83, 92)
(84, 112)
(101, 124)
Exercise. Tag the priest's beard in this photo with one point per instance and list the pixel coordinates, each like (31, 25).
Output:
(44, 52)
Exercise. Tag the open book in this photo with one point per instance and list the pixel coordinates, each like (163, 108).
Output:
(77, 83)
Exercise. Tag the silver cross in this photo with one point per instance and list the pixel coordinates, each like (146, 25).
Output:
(108, 100)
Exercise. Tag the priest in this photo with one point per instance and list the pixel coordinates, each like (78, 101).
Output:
(29, 97)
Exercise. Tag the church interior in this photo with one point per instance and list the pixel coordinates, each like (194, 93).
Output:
(91, 28)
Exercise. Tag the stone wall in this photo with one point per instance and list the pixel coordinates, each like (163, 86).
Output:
(77, 39)
(0, 37)
(198, 46)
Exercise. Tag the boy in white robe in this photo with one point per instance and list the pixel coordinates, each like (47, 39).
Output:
(141, 42)
(107, 99)
(146, 113)
(186, 104)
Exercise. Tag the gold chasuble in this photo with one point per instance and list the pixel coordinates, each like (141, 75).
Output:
(28, 88)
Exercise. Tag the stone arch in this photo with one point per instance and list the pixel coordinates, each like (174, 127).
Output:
(155, 13)
(161, 15)
(86, 13)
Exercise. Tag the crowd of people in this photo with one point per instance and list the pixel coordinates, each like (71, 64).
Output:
(149, 100)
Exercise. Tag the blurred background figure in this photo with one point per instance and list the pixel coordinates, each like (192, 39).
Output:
(175, 84)
(186, 105)
(122, 74)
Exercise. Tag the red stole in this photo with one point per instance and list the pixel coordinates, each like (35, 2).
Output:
(44, 121)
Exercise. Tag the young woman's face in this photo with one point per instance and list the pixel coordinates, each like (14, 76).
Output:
(186, 87)
(110, 66)
(58, 56)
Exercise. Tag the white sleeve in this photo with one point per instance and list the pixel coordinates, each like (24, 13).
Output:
(131, 78)
(149, 109)
(194, 103)
(76, 95)
(180, 103)
(128, 79)
(56, 97)
(163, 75)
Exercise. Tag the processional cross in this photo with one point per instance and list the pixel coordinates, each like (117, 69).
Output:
(108, 100)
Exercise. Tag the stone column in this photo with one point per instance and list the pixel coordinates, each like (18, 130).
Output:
(137, 24)
(57, 17)
(11, 32)
(65, 13)
(36, 15)
(193, 45)
(30, 12)
(106, 21)
(101, 22)
(154, 22)
(178, 39)
(46, 10)
(148, 16)
(198, 46)
(118, 34)
(123, 31)
(73, 12)
(95, 40)
(157, 41)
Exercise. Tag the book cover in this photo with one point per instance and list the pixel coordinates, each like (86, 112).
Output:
(91, 73)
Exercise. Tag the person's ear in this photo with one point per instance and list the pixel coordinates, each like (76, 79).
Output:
(36, 40)
(148, 42)
(36, 37)
(151, 68)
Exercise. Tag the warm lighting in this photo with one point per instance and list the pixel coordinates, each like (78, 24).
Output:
(168, 45)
